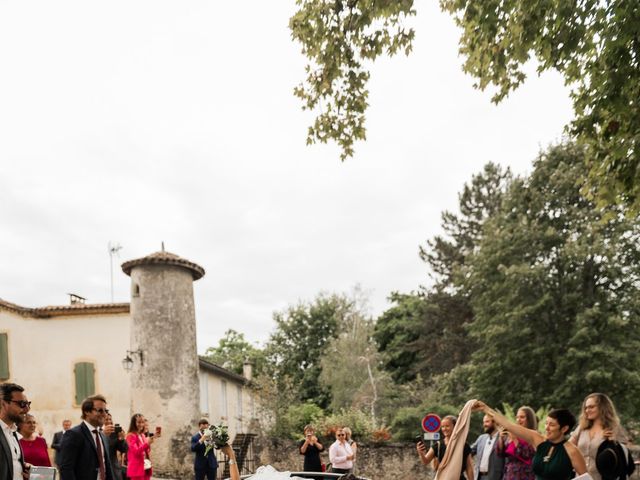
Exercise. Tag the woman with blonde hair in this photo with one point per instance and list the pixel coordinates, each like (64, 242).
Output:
(598, 421)
(436, 453)
(351, 441)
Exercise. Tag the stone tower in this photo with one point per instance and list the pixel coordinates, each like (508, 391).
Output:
(164, 379)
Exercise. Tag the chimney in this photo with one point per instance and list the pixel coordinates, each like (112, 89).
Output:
(247, 369)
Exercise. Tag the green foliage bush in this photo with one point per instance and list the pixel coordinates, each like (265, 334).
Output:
(292, 423)
(359, 422)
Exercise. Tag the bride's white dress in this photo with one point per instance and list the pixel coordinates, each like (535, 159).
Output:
(267, 472)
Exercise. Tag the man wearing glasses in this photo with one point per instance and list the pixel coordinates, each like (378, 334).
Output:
(341, 454)
(13, 408)
(84, 452)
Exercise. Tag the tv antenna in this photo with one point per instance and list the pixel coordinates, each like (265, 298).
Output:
(114, 248)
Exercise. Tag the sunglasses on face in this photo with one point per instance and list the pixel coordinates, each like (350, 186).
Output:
(21, 403)
(341, 434)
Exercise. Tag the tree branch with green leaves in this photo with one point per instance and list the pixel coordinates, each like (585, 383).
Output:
(338, 37)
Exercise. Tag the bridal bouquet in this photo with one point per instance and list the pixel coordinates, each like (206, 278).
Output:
(215, 436)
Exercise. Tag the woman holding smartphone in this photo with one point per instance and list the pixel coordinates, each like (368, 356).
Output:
(436, 453)
(310, 447)
(139, 448)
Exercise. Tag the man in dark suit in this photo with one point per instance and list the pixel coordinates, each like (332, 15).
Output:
(13, 408)
(203, 465)
(84, 452)
(57, 439)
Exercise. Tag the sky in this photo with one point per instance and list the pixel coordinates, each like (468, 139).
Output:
(160, 121)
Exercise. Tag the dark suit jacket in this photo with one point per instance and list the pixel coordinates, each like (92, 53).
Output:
(55, 444)
(201, 462)
(79, 456)
(6, 461)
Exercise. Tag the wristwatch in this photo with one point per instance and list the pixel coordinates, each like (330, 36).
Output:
(231, 462)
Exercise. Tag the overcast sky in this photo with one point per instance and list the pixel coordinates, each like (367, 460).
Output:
(146, 121)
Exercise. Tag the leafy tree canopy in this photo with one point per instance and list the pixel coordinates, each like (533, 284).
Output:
(338, 37)
(555, 289)
(233, 350)
(593, 44)
(295, 349)
(425, 333)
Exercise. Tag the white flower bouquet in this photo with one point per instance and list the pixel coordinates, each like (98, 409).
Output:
(215, 436)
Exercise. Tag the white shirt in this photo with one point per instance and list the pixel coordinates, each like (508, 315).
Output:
(93, 435)
(14, 446)
(486, 453)
(338, 453)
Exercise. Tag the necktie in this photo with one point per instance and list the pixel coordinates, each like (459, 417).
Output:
(102, 471)
(19, 451)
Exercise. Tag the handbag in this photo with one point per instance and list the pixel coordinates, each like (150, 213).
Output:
(147, 464)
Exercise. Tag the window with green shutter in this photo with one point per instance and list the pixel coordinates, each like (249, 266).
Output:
(4, 356)
(85, 380)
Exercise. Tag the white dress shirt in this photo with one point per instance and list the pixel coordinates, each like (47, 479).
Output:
(338, 453)
(93, 435)
(486, 453)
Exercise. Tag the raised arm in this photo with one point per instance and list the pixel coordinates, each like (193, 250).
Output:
(318, 445)
(233, 466)
(530, 436)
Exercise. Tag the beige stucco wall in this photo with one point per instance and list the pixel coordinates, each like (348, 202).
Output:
(42, 354)
(238, 421)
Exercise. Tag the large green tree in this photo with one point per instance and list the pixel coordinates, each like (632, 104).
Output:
(555, 291)
(478, 201)
(296, 347)
(594, 44)
(425, 333)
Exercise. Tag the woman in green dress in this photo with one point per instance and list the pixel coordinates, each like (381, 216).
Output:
(555, 458)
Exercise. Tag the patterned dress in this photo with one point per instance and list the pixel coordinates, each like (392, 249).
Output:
(517, 460)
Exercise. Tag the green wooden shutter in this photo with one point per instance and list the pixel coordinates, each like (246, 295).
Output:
(85, 381)
(4, 356)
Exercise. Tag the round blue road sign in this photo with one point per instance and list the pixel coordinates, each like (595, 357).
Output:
(431, 423)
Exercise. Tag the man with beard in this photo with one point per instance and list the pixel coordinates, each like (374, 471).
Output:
(13, 408)
(488, 465)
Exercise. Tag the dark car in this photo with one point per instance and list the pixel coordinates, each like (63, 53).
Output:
(323, 475)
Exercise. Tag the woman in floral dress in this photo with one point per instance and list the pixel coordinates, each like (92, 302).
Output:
(517, 453)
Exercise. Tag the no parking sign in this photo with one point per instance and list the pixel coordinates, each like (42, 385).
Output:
(431, 426)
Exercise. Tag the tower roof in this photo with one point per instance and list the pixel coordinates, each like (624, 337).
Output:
(165, 258)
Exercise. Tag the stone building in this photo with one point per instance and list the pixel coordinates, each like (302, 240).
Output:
(141, 355)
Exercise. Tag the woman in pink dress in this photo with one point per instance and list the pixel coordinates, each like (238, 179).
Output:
(139, 448)
(517, 453)
(34, 447)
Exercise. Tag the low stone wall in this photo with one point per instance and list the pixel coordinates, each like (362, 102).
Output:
(392, 461)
